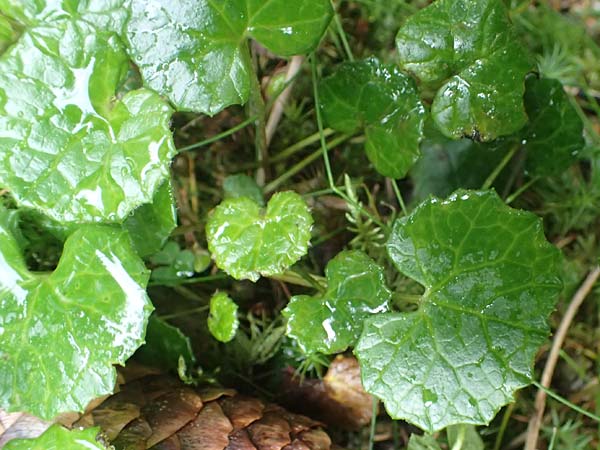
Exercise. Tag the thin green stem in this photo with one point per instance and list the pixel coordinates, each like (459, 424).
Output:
(342, 33)
(300, 145)
(566, 402)
(294, 278)
(460, 439)
(492, 177)
(373, 424)
(273, 185)
(522, 189)
(256, 108)
(325, 151)
(218, 137)
(399, 196)
(553, 438)
(187, 312)
(503, 425)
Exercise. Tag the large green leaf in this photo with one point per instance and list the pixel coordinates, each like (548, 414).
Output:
(554, 136)
(382, 100)
(468, 49)
(247, 242)
(195, 51)
(332, 321)
(61, 332)
(59, 438)
(107, 15)
(491, 280)
(68, 147)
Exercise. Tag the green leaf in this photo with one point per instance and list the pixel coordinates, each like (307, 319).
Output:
(491, 280)
(164, 345)
(554, 136)
(425, 442)
(59, 438)
(241, 185)
(469, 50)
(247, 242)
(68, 147)
(195, 52)
(471, 438)
(151, 224)
(61, 332)
(222, 320)
(382, 100)
(333, 320)
(175, 264)
(107, 15)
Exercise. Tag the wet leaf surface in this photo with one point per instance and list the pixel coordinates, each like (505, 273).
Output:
(332, 321)
(247, 242)
(61, 332)
(222, 319)
(59, 438)
(554, 136)
(491, 281)
(384, 102)
(468, 50)
(195, 52)
(68, 147)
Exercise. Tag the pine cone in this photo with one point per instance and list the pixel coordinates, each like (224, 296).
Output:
(161, 413)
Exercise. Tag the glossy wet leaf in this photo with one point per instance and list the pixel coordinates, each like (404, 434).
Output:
(554, 136)
(59, 438)
(164, 345)
(384, 102)
(68, 147)
(152, 223)
(222, 319)
(332, 321)
(247, 241)
(491, 281)
(172, 264)
(61, 332)
(468, 49)
(195, 51)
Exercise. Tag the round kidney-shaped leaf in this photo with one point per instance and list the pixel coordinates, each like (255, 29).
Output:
(59, 438)
(61, 332)
(382, 100)
(332, 321)
(195, 51)
(491, 280)
(247, 242)
(554, 135)
(68, 147)
(222, 319)
(468, 49)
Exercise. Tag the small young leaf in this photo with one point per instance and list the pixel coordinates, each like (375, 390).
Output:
(246, 242)
(491, 280)
(151, 224)
(195, 51)
(61, 332)
(554, 135)
(468, 49)
(59, 438)
(241, 185)
(68, 148)
(425, 442)
(382, 100)
(331, 322)
(222, 320)
(471, 438)
(164, 345)
(174, 264)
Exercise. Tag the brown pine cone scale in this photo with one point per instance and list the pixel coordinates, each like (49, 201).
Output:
(160, 413)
